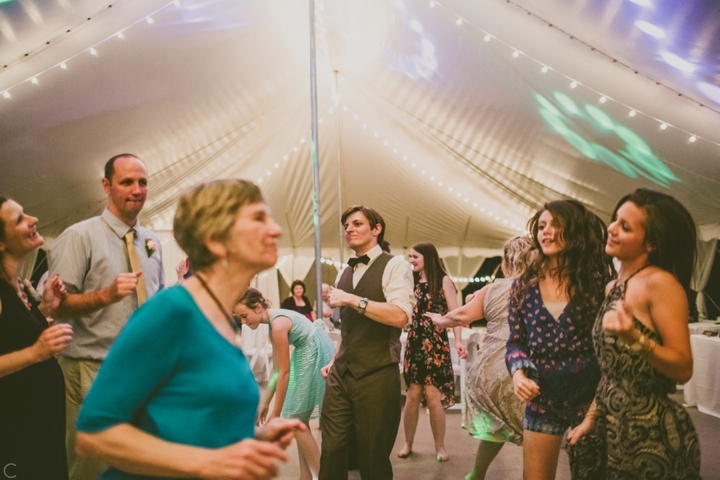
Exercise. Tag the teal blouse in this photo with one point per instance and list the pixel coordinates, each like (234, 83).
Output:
(172, 375)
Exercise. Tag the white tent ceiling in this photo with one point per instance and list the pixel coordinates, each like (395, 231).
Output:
(219, 88)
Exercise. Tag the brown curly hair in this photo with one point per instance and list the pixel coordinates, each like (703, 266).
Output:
(583, 266)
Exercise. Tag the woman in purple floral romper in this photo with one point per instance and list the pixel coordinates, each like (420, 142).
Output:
(551, 313)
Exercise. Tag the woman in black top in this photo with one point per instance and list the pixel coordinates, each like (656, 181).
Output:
(32, 389)
(298, 301)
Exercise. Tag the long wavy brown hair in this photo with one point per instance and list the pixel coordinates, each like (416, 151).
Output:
(434, 269)
(583, 266)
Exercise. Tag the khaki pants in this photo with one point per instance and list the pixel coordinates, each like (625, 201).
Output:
(79, 377)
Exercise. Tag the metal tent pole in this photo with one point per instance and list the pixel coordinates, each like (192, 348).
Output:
(315, 165)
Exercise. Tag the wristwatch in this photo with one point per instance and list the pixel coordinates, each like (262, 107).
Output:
(362, 305)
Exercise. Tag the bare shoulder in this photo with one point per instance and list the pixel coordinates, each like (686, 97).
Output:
(660, 282)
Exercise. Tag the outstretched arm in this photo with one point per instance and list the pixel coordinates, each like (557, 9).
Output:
(464, 315)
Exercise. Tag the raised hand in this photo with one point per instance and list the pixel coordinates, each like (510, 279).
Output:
(123, 285)
(53, 293)
(619, 322)
(525, 389)
(52, 340)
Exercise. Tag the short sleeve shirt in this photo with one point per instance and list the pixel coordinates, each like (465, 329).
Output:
(89, 256)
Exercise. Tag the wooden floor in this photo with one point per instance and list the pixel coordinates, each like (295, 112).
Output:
(508, 464)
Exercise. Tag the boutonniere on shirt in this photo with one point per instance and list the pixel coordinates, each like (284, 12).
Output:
(150, 247)
(27, 293)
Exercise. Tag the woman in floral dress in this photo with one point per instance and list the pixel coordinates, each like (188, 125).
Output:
(427, 364)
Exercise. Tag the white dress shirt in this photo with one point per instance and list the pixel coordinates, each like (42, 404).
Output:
(397, 280)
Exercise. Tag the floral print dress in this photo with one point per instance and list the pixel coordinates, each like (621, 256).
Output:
(427, 354)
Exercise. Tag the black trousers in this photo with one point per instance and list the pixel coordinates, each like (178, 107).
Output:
(371, 406)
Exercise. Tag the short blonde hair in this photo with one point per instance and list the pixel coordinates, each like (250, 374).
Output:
(210, 209)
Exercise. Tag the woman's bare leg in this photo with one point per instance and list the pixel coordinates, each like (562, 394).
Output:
(486, 453)
(437, 421)
(540, 455)
(410, 417)
(309, 454)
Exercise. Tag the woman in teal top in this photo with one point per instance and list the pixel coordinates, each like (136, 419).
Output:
(297, 384)
(175, 396)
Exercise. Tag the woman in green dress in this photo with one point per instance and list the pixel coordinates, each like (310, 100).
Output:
(296, 383)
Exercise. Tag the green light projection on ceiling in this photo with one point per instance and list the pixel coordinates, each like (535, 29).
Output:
(632, 159)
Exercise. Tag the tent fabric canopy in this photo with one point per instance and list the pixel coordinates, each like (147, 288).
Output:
(451, 137)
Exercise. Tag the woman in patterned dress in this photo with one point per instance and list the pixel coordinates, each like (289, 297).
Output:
(427, 364)
(296, 383)
(643, 344)
(550, 314)
(491, 411)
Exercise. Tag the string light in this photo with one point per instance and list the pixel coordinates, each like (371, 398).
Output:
(92, 50)
(432, 4)
(574, 83)
(6, 94)
(693, 138)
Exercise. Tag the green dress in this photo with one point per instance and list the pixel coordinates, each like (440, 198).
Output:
(313, 350)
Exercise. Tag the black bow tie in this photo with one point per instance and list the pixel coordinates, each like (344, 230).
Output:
(355, 260)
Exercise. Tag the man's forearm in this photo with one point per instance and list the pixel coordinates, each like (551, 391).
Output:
(75, 305)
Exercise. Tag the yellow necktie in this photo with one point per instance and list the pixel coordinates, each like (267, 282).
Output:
(141, 288)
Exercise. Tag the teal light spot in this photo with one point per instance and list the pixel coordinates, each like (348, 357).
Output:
(615, 161)
(580, 143)
(632, 138)
(637, 158)
(555, 122)
(600, 117)
(547, 105)
(566, 103)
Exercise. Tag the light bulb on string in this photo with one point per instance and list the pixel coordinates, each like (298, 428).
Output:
(63, 65)
(34, 80)
(663, 126)
(6, 94)
(603, 99)
(150, 20)
(176, 3)
(516, 54)
(120, 35)
(693, 138)
(458, 21)
(544, 69)
(573, 84)
(432, 4)
(632, 113)
(93, 51)
(488, 37)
